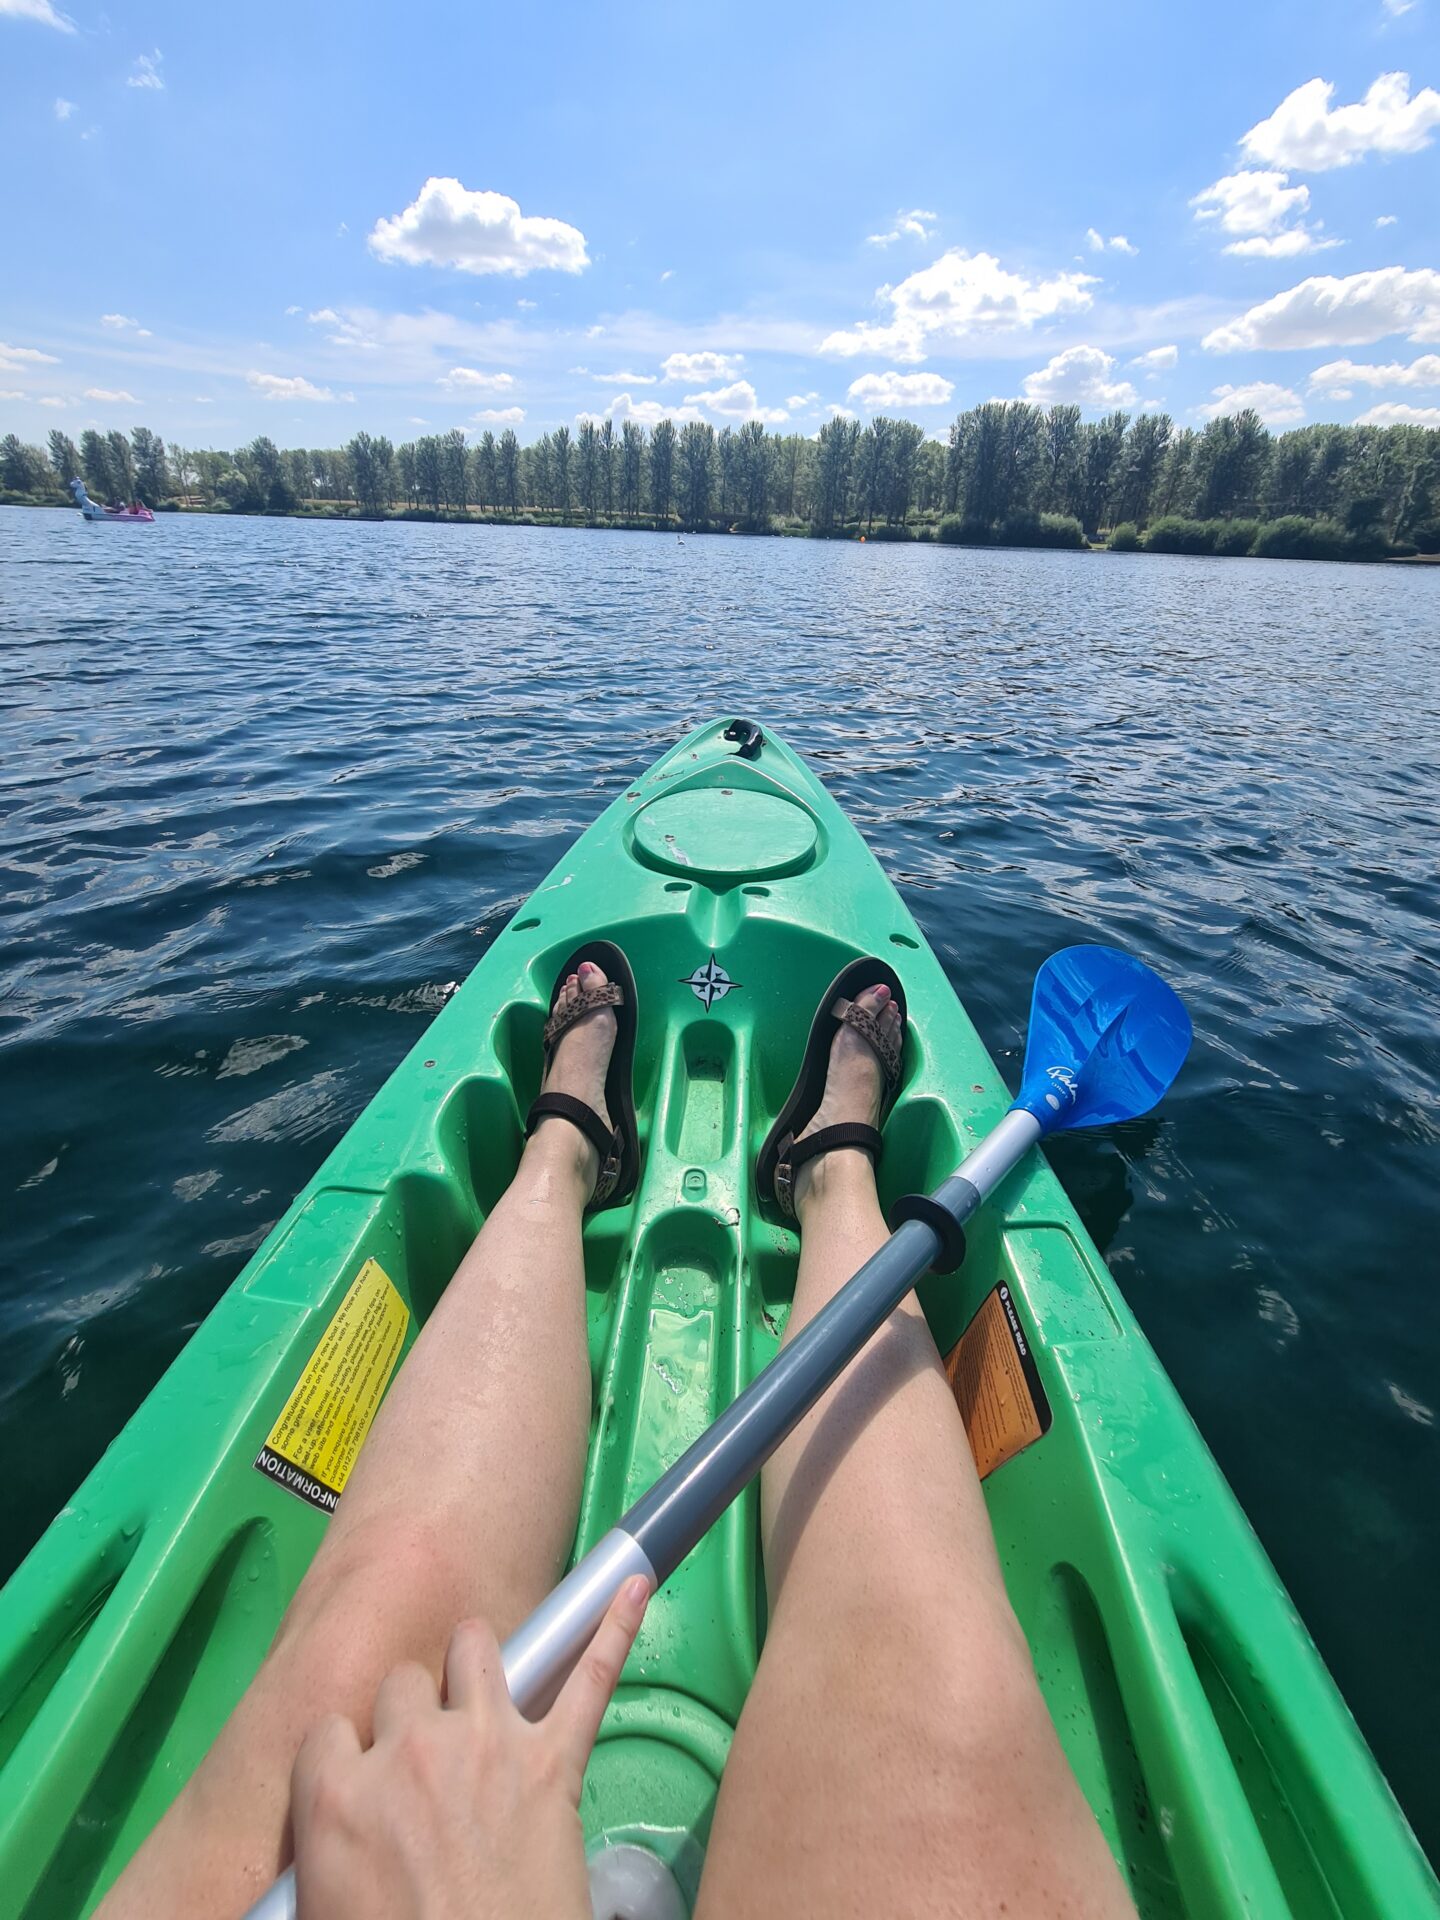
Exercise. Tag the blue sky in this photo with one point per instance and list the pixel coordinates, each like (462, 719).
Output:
(302, 220)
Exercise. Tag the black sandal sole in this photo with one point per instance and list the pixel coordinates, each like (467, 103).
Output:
(620, 1075)
(805, 1096)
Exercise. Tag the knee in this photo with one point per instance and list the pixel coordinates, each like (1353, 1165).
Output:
(368, 1582)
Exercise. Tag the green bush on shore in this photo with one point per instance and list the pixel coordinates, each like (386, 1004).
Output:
(1125, 538)
(1173, 533)
(1295, 538)
(1017, 530)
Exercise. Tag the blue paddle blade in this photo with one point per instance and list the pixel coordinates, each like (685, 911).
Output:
(1107, 1036)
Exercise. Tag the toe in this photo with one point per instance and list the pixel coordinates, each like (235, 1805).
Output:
(873, 999)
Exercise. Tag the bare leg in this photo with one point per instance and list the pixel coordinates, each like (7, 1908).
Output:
(894, 1755)
(489, 1415)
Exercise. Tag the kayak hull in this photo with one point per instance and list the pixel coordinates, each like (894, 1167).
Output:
(1220, 1761)
(115, 517)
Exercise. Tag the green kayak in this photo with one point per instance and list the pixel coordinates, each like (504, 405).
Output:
(1221, 1763)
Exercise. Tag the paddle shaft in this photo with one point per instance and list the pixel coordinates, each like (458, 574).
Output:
(665, 1523)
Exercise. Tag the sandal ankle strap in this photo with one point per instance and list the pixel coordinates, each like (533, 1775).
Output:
(795, 1154)
(606, 1141)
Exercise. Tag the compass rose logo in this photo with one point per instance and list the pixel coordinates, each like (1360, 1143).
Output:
(709, 983)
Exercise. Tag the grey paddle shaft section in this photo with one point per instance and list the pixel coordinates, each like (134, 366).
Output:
(664, 1524)
(686, 1499)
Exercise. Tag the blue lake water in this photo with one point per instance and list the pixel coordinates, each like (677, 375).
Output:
(269, 787)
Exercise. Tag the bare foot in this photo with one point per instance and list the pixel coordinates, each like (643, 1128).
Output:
(854, 1087)
(578, 1067)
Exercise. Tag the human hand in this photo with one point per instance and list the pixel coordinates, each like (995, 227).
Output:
(465, 1811)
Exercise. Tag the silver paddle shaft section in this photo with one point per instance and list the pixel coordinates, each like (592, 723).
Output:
(664, 1524)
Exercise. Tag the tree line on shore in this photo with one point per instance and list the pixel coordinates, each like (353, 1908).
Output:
(1009, 473)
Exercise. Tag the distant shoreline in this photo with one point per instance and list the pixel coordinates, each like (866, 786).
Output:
(920, 533)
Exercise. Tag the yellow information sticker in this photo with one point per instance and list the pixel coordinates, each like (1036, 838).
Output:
(322, 1427)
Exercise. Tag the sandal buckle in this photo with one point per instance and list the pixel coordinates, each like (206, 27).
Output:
(785, 1180)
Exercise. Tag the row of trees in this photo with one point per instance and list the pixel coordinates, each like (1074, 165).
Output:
(1003, 464)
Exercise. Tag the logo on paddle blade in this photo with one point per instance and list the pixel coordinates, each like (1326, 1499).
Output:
(709, 983)
(1065, 1092)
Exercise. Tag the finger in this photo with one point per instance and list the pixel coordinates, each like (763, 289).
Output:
(474, 1676)
(404, 1692)
(330, 1744)
(580, 1707)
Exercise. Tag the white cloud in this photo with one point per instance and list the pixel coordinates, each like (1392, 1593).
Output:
(1117, 243)
(1386, 219)
(527, 306)
(16, 359)
(64, 109)
(1079, 376)
(40, 10)
(1396, 7)
(1326, 311)
(626, 379)
(203, 400)
(917, 224)
(510, 416)
(1304, 132)
(700, 366)
(1157, 360)
(837, 412)
(476, 382)
(146, 73)
(122, 323)
(645, 413)
(1280, 246)
(1255, 200)
(958, 295)
(351, 329)
(11, 393)
(1398, 413)
(740, 399)
(1277, 406)
(797, 401)
(447, 225)
(52, 400)
(1258, 202)
(668, 274)
(1337, 377)
(594, 333)
(875, 390)
(275, 386)
(116, 396)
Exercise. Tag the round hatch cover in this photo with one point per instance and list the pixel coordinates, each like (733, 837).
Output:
(724, 834)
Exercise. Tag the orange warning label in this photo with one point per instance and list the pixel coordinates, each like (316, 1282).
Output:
(996, 1385)
(314, 1444)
